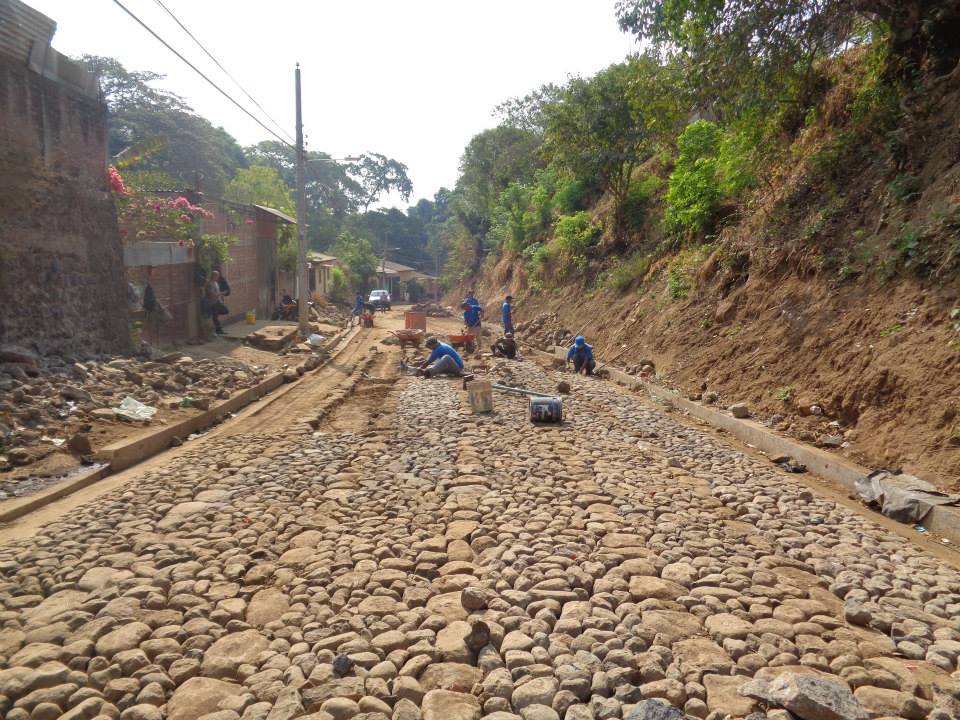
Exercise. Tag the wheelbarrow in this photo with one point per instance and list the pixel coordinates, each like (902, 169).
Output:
(466, 342)
(409, 337)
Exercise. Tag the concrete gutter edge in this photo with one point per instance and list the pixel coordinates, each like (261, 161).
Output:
(944, 521)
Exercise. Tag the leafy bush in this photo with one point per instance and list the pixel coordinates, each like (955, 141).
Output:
(213, 250)
(784, 393)
(573, 196)
(638, 201)
(905, 187)
(536, 258)
(693, 194)
(681, 270)
(574, 236)
(338, 284)
(912, 248)
(630, 271)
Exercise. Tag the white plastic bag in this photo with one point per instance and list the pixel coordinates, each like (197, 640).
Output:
(135, 410)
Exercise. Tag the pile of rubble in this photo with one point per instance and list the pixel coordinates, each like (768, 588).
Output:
(329, 314)
(544, 331)
(51, 405)
(432, 310)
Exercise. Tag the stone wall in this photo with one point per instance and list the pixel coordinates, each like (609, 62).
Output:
(62, 286)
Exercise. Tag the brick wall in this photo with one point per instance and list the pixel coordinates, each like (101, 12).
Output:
(62, 286)
(251, 270)
(176, 291)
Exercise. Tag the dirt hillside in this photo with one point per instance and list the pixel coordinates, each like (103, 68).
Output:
(835, 289)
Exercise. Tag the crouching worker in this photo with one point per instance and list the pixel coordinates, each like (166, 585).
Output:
(443, 360)
(582, 356)
(505, 347)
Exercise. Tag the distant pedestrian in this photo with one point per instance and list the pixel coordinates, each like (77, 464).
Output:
(357, 309)
(506, 315)
(582, 356)
(213, 302)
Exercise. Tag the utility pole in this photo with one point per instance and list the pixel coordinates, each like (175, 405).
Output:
(383, 262)
(303, 291)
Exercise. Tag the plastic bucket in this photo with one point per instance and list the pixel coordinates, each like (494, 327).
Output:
(480, 394)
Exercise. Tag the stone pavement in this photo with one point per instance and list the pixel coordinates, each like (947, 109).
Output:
(453, 567)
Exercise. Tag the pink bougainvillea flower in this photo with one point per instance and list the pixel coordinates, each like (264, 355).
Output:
(116, 181)
(186, 218)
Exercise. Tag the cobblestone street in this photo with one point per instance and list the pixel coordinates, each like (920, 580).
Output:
(448, 566)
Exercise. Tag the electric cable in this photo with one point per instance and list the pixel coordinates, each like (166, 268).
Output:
(200, 73)
(219, 65)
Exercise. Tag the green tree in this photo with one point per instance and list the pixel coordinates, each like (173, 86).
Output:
(491, 161)
(262, 185)
(181, 144)
(378, 175)
(358, 259)
(595, 131)
(746, 48)
(694, 190)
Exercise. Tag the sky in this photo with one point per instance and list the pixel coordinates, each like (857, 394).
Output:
(412, 80)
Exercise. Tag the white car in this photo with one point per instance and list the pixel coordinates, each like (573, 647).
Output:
(379, 299)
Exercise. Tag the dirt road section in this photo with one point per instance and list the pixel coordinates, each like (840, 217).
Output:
(289, 407)
(401, 557)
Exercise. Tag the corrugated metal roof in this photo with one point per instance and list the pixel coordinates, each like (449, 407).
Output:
(276, 213)
(397, 266)
(20, 27)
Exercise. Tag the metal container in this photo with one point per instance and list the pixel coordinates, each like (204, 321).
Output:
(546, 410)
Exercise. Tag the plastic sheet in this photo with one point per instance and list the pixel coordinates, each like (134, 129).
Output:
(904, 498)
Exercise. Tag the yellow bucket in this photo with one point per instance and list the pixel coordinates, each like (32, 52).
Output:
(251, 317)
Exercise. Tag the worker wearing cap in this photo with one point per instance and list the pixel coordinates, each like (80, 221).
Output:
(505, 346)
(443, 360)
(582, 356)
(506, 315)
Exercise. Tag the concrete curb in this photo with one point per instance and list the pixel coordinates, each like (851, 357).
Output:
(18, 508)
(944, 521)
(130, 451)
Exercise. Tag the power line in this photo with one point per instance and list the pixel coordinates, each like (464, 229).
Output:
(225, 71)
(200, 73)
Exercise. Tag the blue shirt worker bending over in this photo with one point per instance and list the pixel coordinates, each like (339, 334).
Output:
(582, 356)
(443, 360)
(506, 315)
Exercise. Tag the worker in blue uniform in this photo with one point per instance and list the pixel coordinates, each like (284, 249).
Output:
(582, 356)
(443, 360)
(506, 315)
